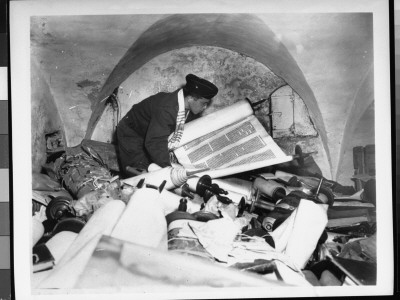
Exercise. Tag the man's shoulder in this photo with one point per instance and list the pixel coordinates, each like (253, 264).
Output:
(164, 99)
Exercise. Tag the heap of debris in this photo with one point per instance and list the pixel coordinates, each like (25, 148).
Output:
(259, 222)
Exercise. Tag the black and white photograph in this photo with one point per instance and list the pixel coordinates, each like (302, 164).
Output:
(192, 149)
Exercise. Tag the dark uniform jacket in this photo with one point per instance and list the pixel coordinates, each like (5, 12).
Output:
(143, 132)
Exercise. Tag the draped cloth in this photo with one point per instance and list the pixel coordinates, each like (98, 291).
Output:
(175, 138)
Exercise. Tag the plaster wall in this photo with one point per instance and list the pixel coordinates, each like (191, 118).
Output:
(335, 57)
(75, 55)
(45, 118)
(360, 126)
(363, 135)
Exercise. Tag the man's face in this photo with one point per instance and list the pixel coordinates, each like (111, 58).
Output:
(198, 104)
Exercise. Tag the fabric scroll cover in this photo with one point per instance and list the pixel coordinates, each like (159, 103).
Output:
(298, 235)
(228, 141)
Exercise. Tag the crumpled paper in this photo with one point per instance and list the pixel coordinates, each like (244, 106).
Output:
(89, 203)
(218, 208)
(212, 206)
(217, 236)
(40, 215)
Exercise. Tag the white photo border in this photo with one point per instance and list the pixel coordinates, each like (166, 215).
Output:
(20, 13)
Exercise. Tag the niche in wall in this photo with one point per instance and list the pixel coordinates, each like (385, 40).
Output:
(237, 76)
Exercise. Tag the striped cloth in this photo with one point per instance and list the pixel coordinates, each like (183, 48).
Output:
(175, 138)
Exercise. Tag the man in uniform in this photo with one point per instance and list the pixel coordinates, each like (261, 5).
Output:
(143, 134)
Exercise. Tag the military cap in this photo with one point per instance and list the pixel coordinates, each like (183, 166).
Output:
(200, 86)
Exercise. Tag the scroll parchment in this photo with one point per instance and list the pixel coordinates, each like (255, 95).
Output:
(228, 141)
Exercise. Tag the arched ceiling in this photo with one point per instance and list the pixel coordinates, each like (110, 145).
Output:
(359, 129)
(243, 33)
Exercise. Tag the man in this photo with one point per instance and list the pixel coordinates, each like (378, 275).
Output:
(144, 133)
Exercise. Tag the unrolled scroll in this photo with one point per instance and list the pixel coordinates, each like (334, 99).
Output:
(216, 120)
(228, 141)
(143, 221)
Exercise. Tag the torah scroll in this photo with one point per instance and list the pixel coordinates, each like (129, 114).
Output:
(228, 141)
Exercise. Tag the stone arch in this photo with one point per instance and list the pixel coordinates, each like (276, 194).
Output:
(363, 100)
(243, 33)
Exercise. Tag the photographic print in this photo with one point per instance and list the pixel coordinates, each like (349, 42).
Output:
(201, 150)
